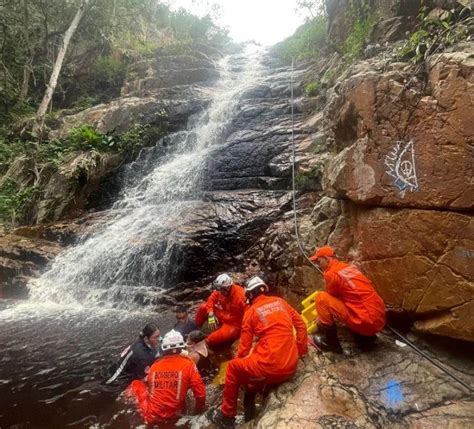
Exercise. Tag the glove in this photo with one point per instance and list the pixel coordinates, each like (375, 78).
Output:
(212, 322)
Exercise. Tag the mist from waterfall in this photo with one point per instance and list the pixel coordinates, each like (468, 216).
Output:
(129, 261)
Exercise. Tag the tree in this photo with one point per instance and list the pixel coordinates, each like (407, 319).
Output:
(313, 7)
(40, 114)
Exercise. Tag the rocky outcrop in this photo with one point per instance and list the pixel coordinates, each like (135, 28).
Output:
(20, 259)
(171, 86)
(370, 389)
(402, 147)
(395, 17)
(397, 168)
(409, 151)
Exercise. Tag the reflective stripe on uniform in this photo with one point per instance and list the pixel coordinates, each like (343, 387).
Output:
(348, 274)
(120, 368)
(178, 391)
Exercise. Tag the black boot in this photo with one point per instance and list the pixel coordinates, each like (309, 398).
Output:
(250, 411)
(222, 421)
(365, 342)
(326, 338)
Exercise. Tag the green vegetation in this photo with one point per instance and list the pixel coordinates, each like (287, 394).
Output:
(308, 180)
(14, 202)
(15, 199)
(8, 152)
(353, 46)
(308, 41)
(311, 89)
(111, 35)
(84, 138)
(435, 33)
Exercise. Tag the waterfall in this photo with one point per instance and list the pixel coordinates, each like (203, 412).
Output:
(131, 259)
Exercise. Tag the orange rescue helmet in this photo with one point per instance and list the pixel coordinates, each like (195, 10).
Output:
(323, 251)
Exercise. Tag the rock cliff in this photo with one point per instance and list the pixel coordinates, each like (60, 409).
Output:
(396, 145)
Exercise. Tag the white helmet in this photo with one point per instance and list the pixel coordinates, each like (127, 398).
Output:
(253, 283)
(173, 340)
(254, 286)
(223, 281)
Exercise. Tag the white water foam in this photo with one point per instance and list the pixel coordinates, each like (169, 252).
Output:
(125, 265)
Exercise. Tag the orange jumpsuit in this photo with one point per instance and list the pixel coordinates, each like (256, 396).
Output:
(275, 355)
(163, 398)
(229, 311)
(350, 298)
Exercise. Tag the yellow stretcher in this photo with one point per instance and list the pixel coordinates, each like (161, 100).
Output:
(309, 314)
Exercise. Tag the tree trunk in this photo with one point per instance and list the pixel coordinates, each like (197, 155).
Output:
(40, 114)
(27, 67)
(24, 86)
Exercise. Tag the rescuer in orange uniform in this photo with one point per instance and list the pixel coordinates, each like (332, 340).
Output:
(275, 355)
(223, 310)
(163, 398)
(350, 298)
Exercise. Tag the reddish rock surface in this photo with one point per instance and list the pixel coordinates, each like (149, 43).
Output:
(389, 386)
(400, 146)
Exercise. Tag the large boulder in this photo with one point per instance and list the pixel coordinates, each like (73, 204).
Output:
(419, 260)
(20, 259)
(67, 191)
(379, 388)
(401, 147)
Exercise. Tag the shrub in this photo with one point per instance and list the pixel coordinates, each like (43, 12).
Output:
(14, 202)
(86, 137)
(8, 152)
(308, 180)
(435, 34)
(311, 89)
(356, 40)
(307, 41)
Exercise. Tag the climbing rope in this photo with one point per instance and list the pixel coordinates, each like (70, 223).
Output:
(295, 215)
(298, 240)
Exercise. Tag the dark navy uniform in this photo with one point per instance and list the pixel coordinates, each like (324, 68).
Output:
(135, 361)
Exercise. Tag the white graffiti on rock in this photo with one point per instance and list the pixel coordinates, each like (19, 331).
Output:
(400, 163)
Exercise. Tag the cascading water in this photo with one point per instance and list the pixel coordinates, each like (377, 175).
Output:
(54, 344)
(130, 260)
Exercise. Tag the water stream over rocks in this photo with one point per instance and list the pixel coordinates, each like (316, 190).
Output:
(134, 256)
(98, 294)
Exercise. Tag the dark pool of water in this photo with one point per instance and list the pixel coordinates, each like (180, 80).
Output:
(51, 362)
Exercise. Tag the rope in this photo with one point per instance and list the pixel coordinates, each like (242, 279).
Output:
(298, 240)
(434, 362)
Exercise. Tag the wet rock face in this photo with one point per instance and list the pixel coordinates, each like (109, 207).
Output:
(388, 386)
(245, 185)
(256, 154)
(20, 259)
(214, 233)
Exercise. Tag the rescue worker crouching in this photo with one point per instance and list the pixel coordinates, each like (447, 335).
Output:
(223, 311)
(274, 357)
(162, 399)
(350, 298)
